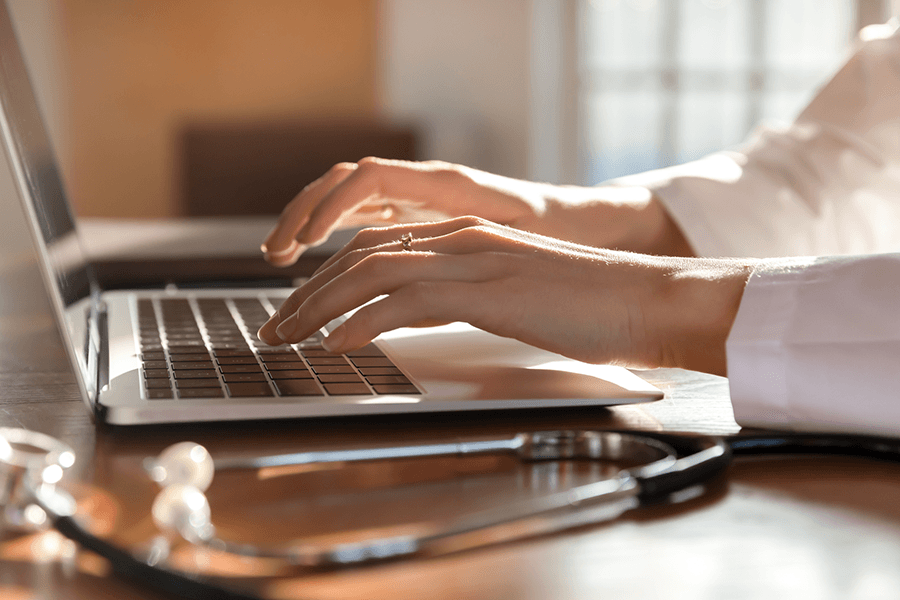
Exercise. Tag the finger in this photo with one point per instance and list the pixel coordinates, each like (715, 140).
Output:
(460, 242)
(441, 185)
(376, 275)
(413, 304)
(481, 237)
(376, 237)
(280, 246)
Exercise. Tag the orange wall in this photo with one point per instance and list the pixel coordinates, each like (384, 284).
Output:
(138, 70)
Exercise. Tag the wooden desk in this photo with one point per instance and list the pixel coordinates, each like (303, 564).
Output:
(790, 528)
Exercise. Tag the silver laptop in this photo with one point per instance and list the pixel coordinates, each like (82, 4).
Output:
(192, 355)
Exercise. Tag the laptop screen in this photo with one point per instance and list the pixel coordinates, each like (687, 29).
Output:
(36, 170)
(67, 273)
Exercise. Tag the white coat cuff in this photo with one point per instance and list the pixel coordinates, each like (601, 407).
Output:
(756, 354)
(814, 346)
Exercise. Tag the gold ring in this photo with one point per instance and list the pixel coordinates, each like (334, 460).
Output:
(406, 242)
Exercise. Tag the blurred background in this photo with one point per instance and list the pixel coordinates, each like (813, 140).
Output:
(228, 107)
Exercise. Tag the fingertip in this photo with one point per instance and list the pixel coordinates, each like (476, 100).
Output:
(336, 340)
(267, 332)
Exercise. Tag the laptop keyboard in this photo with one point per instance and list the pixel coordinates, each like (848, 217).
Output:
(207, 348)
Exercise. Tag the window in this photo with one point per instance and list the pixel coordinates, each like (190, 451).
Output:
(659, 82)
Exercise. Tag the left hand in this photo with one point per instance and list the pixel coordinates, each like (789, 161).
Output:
(590, 304)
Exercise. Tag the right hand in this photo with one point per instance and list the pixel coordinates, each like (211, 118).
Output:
(586, 303)
(381, 192)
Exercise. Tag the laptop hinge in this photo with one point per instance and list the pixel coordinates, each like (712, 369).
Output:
(103, 348)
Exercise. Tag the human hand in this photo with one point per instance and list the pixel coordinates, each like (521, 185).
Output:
(590, 304)
(377, 191)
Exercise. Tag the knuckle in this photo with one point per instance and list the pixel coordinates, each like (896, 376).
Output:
(368, 162)
(477, 232)
(471, 221)
(364, 238)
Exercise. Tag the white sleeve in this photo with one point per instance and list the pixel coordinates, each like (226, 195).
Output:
(816, 346)
(827, 185)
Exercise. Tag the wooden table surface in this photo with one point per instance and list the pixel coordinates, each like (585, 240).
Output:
(786, 528)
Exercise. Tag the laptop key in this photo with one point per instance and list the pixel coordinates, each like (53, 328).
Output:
(380, 371)
(198, 357)
(280, 366)
(187, 366)
(186, 348)
(292, 374)
(319, 369)
(247, 389)
(279, 357)
(298, 387)
(157, 384)
(397, 388)
(236, 360)
(340, 378)
(197, 383)
(235, 377)
(156, 374)
(230, 353)
(347, 389)
(240, 368)
(327, 360)
(160, 394)
(372, 361)
(196, 374)
(200, 393)
(386, 379)
(317, 353)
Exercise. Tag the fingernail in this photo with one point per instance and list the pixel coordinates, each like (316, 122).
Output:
(287, 251)
(335, 341)
(288, 256)
(288, 328)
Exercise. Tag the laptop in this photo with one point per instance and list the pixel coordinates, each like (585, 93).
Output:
(170, 355)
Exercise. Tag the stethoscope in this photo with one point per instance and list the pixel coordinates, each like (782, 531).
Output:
(666, 468)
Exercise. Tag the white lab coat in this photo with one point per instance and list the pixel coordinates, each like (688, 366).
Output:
(816, 343)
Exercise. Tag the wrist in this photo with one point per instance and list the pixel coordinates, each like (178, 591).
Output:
(697, 308)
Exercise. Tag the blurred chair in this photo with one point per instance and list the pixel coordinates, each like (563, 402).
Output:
(241, 169)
